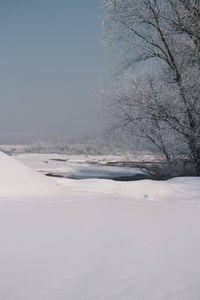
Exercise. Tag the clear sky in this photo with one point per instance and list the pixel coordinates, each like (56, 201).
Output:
(51, 64)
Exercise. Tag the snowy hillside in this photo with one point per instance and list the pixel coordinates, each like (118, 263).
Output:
(97, 239)
(19, 182)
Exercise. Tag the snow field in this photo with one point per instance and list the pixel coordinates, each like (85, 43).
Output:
(97, 239)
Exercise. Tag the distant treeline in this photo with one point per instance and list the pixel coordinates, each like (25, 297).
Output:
(63, 144)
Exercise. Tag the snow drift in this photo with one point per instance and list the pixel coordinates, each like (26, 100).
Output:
(19, 182)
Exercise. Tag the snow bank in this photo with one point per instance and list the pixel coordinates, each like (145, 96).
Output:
(19, 182)
(185, 189)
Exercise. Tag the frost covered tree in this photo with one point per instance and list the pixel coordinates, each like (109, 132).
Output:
(159, 44)
(186, 20)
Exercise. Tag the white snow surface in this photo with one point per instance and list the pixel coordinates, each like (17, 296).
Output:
(18, 182)
(97, 239)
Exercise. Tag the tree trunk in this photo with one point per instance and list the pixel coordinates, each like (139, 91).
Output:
(197, 161)
(195, 154)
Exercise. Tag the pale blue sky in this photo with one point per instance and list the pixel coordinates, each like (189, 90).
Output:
(51, 64)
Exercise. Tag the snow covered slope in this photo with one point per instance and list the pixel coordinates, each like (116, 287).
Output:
(101, 245)
(19, 182)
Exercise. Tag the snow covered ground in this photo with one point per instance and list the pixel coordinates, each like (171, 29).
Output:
(17, 182)
(97, 239)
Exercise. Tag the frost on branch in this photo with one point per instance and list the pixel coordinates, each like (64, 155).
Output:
(159, 43)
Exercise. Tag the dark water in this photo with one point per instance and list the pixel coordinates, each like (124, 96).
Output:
(101, 172)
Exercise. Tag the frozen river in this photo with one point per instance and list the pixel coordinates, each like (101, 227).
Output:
(80, 167)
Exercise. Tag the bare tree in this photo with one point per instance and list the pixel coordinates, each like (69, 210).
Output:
(165, 107)
(185, 19)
